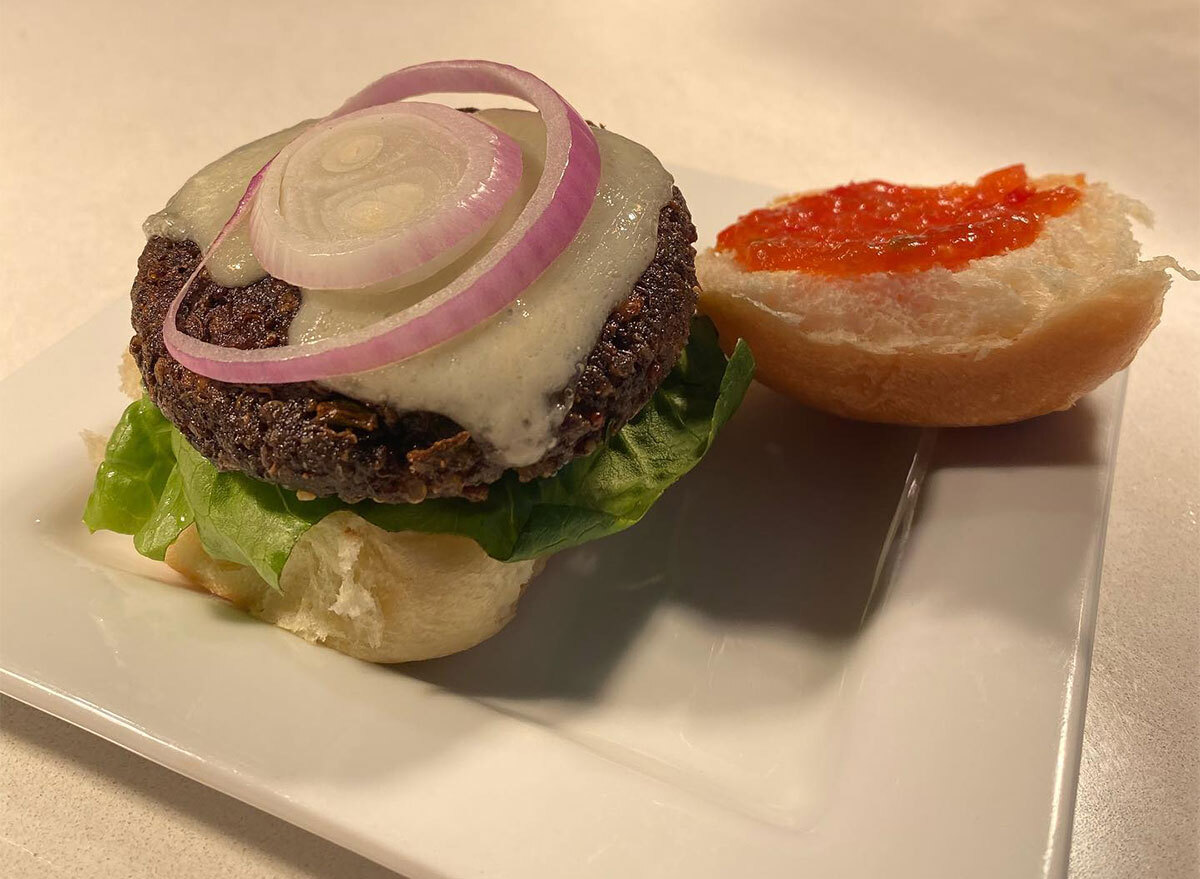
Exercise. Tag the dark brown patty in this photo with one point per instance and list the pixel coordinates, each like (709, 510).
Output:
(305, 437)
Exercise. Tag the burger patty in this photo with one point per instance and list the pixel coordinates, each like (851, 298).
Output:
(309, 438)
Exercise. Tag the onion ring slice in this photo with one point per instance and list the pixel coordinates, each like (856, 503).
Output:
(546, 225)
(352, 178)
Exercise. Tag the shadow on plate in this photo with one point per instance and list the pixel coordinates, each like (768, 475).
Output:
(781, 526)
(1060, 438)
(1039, 488)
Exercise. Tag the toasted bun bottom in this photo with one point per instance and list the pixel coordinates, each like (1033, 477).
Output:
(1045, 369)
(373, 594)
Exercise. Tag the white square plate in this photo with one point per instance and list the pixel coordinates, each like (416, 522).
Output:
(792, 667)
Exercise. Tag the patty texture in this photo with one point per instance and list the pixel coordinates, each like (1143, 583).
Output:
(305, 437)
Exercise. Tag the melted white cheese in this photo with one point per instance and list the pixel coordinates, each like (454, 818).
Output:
(199, 210)
(502, 380)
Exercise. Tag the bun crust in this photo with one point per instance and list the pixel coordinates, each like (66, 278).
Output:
(1045, 369)
(1008, 338)
(373, 594)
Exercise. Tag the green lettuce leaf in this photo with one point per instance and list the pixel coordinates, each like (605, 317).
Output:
(138, 489)
(153, 484)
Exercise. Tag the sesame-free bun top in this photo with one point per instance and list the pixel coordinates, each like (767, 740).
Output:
(1006, 338)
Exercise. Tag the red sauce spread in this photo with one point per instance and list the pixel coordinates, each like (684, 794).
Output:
(882, 227)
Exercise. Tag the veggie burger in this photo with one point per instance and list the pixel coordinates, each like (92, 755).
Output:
(394, 358)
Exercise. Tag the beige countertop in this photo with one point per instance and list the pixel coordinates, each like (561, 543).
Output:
(105, 107)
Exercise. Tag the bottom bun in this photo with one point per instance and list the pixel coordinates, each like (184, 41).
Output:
(372, 594)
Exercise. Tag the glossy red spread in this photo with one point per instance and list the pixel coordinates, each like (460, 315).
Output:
(882, 227)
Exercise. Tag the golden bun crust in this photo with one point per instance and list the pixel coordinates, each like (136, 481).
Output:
(1009, 338)
(1043, 370)
(373, 594)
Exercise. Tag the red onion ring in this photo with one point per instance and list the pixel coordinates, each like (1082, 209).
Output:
(491, 175)
(547, 224)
